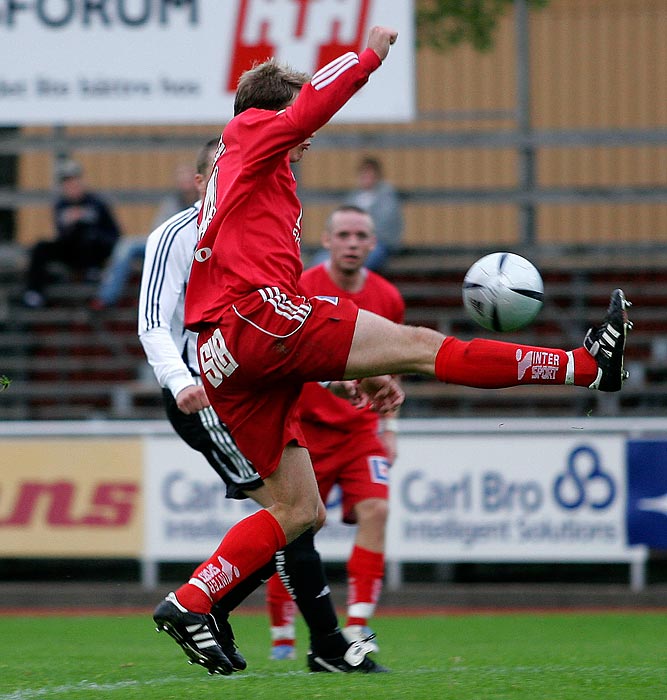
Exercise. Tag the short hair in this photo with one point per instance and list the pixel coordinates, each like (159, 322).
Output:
(348, 208)
(268, 85)
(205, 156)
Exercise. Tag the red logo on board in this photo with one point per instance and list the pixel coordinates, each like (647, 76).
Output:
(65, 504)
(317, 32)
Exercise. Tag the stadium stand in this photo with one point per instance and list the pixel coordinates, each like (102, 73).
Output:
(69, 362)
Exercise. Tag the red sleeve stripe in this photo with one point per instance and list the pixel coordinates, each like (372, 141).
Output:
(332, 70)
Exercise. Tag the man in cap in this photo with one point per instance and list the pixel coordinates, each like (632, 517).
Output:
(86, 232)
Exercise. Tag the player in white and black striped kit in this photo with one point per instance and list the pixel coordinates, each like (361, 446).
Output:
(172, 353)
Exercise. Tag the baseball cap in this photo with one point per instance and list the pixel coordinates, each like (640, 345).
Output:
(68, 168)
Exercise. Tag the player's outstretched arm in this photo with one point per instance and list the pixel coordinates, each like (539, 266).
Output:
(380, 39)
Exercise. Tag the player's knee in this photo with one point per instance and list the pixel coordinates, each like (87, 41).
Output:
(373, 512)
(321, 516)
(304, 516)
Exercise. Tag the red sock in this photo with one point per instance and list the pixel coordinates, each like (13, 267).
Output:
(492, 364)
(365, 573)
(246, 547)
(282, 611)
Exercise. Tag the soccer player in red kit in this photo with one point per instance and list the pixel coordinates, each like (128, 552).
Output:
(349, 446)
(260, 341)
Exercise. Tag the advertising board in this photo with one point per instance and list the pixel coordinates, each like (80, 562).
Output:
(453, 498)
(519, 498)
(69, 497)
(178, 61)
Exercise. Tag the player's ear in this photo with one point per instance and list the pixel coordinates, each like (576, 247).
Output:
(200, 183)
(326, 239)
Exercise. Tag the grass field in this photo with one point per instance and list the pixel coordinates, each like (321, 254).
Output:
(606, 656)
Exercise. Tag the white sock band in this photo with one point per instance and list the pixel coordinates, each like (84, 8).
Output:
(569, 370)
(201, 585)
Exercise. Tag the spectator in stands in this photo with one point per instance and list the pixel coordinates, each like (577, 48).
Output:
(380, 199)
(86, 232)
(131, 248)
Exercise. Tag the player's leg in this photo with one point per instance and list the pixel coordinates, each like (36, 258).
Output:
(362, 472)
(282, 611)
(381, 347)
(300, 564)
(282, 589)
(295, 509)
(299, 582)
(303, 581)
(185, 614)
(365, 567)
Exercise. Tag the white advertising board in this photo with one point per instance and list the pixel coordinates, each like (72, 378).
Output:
(177, 61)
(513, 498)
(453, 498)
(187, 512)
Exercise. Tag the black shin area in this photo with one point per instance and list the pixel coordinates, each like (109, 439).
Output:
(300, 569)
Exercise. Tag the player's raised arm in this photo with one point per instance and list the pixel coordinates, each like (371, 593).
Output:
(380, 39)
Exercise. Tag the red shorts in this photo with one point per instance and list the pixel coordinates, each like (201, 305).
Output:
(254, 363)
(356, 461)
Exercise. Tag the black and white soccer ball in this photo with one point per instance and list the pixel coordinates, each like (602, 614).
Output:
(503, 292)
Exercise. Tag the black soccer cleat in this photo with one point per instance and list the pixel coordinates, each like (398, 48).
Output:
(224, 635)
(353, 661)
(606, 343)
(194, 634)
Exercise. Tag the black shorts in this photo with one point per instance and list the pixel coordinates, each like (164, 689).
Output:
(204, 432)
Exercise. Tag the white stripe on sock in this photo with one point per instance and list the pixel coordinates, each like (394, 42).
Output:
(569, 370)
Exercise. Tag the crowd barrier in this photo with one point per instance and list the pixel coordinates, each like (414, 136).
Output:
(462, 490)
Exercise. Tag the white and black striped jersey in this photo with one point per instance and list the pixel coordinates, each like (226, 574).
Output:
(171, 350)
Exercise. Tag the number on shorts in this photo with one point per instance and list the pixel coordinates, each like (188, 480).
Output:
(215, 360)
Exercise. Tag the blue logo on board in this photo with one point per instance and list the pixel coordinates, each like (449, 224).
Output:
(647, 493)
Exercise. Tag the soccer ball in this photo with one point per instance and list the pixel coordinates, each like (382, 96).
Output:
(503, 292)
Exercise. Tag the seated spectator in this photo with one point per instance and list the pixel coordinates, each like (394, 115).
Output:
(86, 232)
(131, 248)
(380, 199)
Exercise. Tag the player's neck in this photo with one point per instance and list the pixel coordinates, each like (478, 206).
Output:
(348, 281)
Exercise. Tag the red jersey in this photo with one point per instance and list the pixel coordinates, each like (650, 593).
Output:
(317, 404)
(250, 221)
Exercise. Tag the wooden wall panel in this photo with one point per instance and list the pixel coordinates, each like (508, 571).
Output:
(603, 223)
(595, 64)
(461, 225)
(433, 225)
(637, 166)
(35, 224)
(599, 63)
